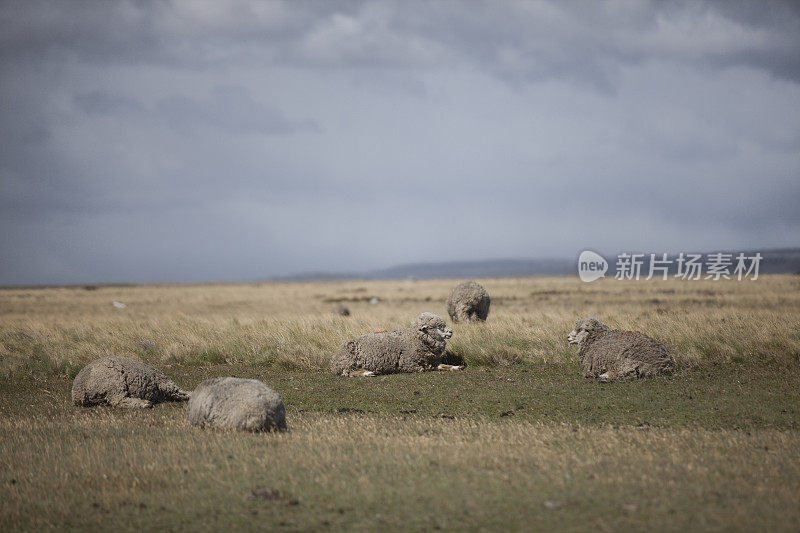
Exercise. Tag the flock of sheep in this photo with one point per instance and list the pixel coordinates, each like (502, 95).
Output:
(248, 404)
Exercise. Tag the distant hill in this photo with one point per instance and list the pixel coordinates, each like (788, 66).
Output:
(478, 269)
(781, 261)
(776, 261)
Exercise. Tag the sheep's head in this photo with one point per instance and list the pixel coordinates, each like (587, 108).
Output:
(432, 325)
(583, 328)
(432, 330)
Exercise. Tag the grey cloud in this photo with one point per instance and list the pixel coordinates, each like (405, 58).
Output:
(172, 33)
(518, 41)
(777, 24)
(230, 109)
(106, 103)
(591, 41)
(187, 141)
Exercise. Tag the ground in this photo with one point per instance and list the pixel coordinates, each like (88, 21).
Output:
(518, 440)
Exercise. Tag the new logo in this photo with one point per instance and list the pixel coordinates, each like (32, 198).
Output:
(591, 266)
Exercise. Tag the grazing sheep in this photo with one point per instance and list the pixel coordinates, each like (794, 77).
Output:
(469, 302)
(612, 355)
(341, 310)
(123, 382)
(414, 349)
(236, 403)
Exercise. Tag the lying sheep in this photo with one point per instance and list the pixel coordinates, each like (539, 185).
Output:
(236, 403)
(341, 310)
(414, 349)
(469, 302)
(612, 355)
(123, 382)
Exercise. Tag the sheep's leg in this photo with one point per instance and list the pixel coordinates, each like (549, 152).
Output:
(607, 377)
(631, 370)
(132, 403)
(449, 367)
(362, 373)
(180, 395)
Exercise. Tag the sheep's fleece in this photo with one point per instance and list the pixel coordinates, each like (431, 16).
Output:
(413, 349)
(236, 403)
(468, 302)
(612, 355)
(123, 382)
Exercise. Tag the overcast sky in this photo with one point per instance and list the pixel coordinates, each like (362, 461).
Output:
(209, 140)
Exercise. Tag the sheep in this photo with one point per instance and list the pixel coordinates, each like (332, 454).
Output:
(469, 302)
(414, 349)
(123, 382)
(341, 310)
(236, 403)
(611, 355)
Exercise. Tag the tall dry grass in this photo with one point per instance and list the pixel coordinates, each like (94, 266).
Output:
(57, 330)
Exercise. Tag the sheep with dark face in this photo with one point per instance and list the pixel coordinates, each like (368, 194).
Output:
(468, 302)
(613, 355)
(123, 382)
(341, 310)
(413, 349)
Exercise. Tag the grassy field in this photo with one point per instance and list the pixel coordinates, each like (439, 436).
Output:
(518, 440)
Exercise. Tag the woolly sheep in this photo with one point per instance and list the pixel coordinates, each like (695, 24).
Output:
(123, 382)
(414, 349)
(469, 302)
(236, 403)
(612, 355)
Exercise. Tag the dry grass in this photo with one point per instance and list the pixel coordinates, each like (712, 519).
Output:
(104, 469)
(529, 446)
(291, 324)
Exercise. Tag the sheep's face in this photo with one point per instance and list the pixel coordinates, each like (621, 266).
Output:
(583, 328)
(432, 325)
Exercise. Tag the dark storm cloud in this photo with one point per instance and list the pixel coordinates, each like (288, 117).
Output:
(186, 140)
(586, 41)
(174, 33)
